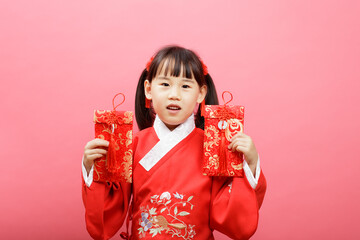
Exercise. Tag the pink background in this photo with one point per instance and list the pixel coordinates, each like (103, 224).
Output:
(294, 65)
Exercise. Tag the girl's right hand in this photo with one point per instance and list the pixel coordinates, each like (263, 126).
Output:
(94, 149)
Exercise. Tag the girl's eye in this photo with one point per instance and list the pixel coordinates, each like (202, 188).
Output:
(186, 86)
(165, 84)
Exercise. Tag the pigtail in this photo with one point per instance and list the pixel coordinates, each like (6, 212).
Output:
(210, 99)
(144, 116)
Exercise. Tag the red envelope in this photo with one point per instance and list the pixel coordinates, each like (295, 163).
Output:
(115, 127)
(222, 122)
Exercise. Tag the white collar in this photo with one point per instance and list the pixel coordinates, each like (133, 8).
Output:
(168, 140)
(162, 130)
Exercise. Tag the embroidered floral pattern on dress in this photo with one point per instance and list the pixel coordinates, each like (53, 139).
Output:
(167, 215)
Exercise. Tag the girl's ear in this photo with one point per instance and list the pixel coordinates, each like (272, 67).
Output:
(202, 94)
(147, 88)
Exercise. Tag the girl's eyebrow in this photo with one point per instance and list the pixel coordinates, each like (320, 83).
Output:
(188, 80)
(183, 79)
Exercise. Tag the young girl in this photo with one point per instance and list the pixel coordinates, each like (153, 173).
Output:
(172, 199)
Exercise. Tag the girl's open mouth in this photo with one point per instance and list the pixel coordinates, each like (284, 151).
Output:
(173, 107)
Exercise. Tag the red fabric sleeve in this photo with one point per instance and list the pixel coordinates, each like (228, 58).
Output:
(236, 213)
(106, 205)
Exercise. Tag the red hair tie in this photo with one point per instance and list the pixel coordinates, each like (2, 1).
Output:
(149, 63)
(205, 69)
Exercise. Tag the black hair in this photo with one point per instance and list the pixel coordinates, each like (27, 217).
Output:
(181, 59)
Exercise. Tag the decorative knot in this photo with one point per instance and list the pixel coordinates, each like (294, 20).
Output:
(113, 118)
(224, 113)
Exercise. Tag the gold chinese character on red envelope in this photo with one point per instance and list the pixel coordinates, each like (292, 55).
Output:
(115, 127)
(222, 122)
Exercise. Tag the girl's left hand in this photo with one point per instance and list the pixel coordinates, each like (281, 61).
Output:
(243, 143)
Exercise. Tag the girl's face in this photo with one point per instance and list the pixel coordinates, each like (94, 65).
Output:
(174, 98)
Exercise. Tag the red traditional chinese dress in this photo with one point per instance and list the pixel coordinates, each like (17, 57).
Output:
(172, 199)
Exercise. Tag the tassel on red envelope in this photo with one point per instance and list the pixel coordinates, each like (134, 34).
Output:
(115, 127)
(222, 122)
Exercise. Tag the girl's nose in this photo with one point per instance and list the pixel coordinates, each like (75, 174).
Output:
(175, 93)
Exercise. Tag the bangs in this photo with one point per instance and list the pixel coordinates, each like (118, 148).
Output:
(174, 67)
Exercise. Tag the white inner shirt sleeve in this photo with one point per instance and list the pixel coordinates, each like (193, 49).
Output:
(87, 178)
(249, 175)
